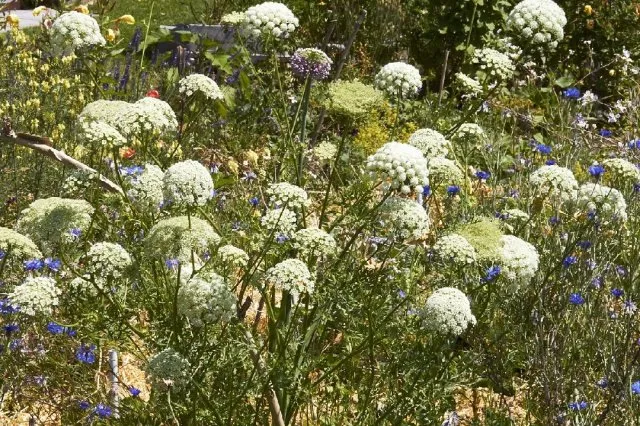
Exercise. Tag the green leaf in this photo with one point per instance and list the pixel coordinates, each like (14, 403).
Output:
(565, 81)
(539, 137)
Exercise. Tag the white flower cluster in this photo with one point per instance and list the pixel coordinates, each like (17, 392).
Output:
(270, 19)
(280, 221)
(314, 242)
(73, 31)
(36, 295)
(519, 259)
(146, 191)
(620, 171)
(430, 142)
(291, 275)
(515, 215)
(496, 65)
(286, 195)
(168, 369)
(469, 133)
(187, 183)
(398, 78)
(78, 182)
(148, 116)
(538, 22)
(177, 237)
(104, 111)
(456, 249)
(83, 286)
(470, 86)
(401, 164)
(106, 259)
(101, 134)
(233, 18)
(448, 312)
(200, 83)
(206, 300)
(607, 202)
(234, 256)
(50, 220)
(17, 245)
(444, 171)
(554, 181)
(405, 218)
(325, 151)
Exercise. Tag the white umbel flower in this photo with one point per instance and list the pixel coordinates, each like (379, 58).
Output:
(314, 242)
(168, 369)
(206, 300)
(456, 249)
(187, 183)
(469, 86)
(101, 134)
(177, 237)
(36, 295)
(469, 133)
(401, 166)
(607, 203)
(496, 65)
(538, 22)
(17, 246)
(444, 171)
(104, 111)
(398, 78)
(74, 31)
(286, 195)
(430, 142)
(519, 259)
(234, 256)
(448, 312)
(404, 218)
(555, 182)
(291, 275)
(106, 259)
(146, 191)
(233, 18)
(515, 215)
(270, 19)
(621, 173)
(200, 84)
(280, 221)
(146, 117)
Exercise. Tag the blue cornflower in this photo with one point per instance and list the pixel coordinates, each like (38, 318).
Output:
(134, 391)
(249, 176)
(254, 201)
(550, 162)
(634, 144)
(635, 388)
(482, 175)
(569, 260)
(53, 264)
(453, 190)
(15, 344)
(85, 353)
(596, 170)
(55, 328)
(7, 308)
(214, 168)
(605, 133)
(281, 238)
(84, 405)
(172, 263)
(402, 294)
(543, 149)
(578, 405)
(602, 383)
(426, 190)
(554, 220)
(131, 170)
(492, 273)
(621, 270)
(33, 264)
(75, 232)
(576, 299)
(11, 328)
(636, 187)
(584, 245)
(617, 292)
(572, 93)
(236, 226)
(2, 254)
(597, 282)
(103, 411)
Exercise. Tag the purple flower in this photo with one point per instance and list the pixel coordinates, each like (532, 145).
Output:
(603, 383)
(85, 353)
(7, 308)
(550, 162)
(605, 133)
(103, 411)
(635, 388)
(492, 273)
(597, 282)
(543, 149)
(584, 245)
(311, 62)
(482, 175)
(596, 170)
(172, 264)
(426, 190)
(254, 201)
(453, 190)
(572, 93)
(576, 299)
(281, 238)
(134, 391)
(569, 260)
(33, 265)
(84, 405)
(11, 328)
(578, 405)
(617, 292)
(75, 232)
(554, 220)
(53, 264)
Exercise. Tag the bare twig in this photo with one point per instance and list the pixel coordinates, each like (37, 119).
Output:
(443, 76)
(43, 146)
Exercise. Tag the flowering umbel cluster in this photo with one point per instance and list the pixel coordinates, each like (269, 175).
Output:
(311, 62)
(270, 19)
(200, 84)
(448, 312)
(538, 22)
(401, 166)
(74, 31)
(430, 142)
(399, 79)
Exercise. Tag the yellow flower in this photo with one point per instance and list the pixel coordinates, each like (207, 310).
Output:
(12, 20)
(588, 10)
(82, 9)
(126, 19)
(252, 157)
(233, 166)
(111, 35)
(38, 10)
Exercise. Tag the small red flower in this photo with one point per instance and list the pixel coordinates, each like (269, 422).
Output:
(153, 93)
(128, 153)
